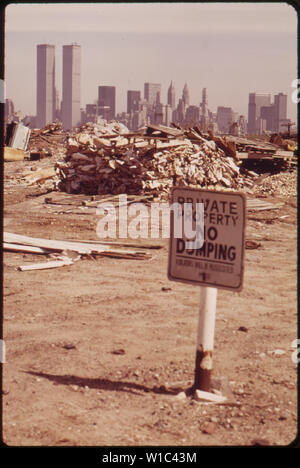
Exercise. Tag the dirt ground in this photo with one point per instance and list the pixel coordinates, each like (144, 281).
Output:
(98, 351)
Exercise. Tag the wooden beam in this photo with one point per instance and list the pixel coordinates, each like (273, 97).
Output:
(25, 248)
(80, 247)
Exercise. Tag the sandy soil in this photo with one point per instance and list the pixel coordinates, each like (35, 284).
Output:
(97, 352)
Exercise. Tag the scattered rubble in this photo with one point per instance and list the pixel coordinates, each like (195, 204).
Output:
(282, 184)
(105, 158)
(47, 142)
(101, 163)
(97, 298)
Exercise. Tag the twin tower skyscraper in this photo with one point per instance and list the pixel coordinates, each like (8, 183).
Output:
(48, 106)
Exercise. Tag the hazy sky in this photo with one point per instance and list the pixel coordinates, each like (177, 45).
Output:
(231, 49)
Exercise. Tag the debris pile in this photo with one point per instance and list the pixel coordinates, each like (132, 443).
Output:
(47, 142)
(283, 184)
(105, 158)
(108, 159)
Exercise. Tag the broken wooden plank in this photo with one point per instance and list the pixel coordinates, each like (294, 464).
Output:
(125, 244)
(171, 144)
(25, 248)
(164, 130)
(81, 248)
(46, 265)
(42, 174)
(260, 205)
(49, 243)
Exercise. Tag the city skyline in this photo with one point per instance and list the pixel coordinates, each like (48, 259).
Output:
(202, 60)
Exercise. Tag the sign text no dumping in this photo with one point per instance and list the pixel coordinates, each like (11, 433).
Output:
(219, 263)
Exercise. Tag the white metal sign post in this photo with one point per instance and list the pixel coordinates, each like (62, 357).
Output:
(214, 259)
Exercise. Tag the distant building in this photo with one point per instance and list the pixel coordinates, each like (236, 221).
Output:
(82, 116)
(105, 113)
(225, 117)
(159, 114)
(280, 111)
(186, 96)
(45, 85)
(256, 101)
(107, 102)
(204, 102)
(168, 115)
(139, 119)
(152, 93)
(180, 111)
(9, 109)
(133, 100)
(71, 86)
(91, 113)
(204, 118)
(171, 96)
(261, 126)
(242, 125)
(193, 115)
(267, 113)
(264, 115)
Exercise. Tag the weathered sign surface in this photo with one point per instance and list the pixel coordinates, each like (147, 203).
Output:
(219, 262)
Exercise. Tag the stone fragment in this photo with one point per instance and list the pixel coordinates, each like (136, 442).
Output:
(201, 395)
(209, 427)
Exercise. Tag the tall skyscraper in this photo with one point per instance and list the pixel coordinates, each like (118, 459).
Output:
(45, 76)
(204, 102)
(107, 101)
(204, 110)
(181, 111)
(280, 110)
(171, 96)
(186, 96)
(71, 86)
(133, 100)
(256, 101)
(152, 92)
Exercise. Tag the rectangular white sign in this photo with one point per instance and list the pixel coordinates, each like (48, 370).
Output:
(219, 262)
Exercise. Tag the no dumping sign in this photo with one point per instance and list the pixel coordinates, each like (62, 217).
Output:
(218, 261)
